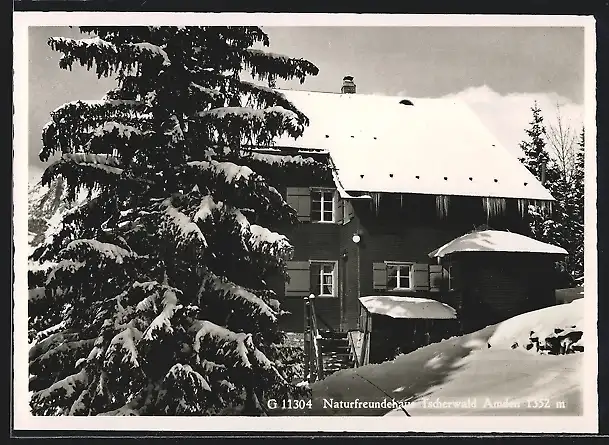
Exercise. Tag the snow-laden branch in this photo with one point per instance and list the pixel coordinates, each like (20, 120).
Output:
(231, 292)
(135, 405)
(239, 185)
(185, 373)
(70, 348)
(267, 97)
(246, 119)
(51, 341)
(150, 50)
(163, 320)
(106, 161)
(237, 345)
(184, 228)
(107, 57)
(275, 244)
(261, 63)
(65, 388)
(64, 266)
(125, 343)
(73, 124)
(153, 291)
(229, 343)
(229, 171)
(254, 237)
(82, 247)
(82, 172)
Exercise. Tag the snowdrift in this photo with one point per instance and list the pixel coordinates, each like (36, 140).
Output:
(475, 374)
(543, 323)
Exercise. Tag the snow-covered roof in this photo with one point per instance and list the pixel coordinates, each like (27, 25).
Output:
(496, 241)
(407, 307)
(436, 146)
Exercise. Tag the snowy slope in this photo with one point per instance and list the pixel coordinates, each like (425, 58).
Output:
(466, 370)
(542, 322)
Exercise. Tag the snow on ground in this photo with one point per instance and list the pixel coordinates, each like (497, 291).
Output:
(465, 370)
(542, 322)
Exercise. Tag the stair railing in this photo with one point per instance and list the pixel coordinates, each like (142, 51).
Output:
(314, 354)
(353, 350)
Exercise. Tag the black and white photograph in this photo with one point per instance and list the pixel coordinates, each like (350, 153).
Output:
(389, 220)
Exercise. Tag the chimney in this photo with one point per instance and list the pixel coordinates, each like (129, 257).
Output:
(348, 85)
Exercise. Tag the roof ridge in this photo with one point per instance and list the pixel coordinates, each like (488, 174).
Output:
(401, 96)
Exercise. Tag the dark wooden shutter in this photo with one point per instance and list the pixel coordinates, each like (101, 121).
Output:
(379, 276)
(436, 276)
(348, 211)
(338, 209)
(299, 198)
(420, 277)
(299, 284)
(315, 283)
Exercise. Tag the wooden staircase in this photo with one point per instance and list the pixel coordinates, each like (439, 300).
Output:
(335, 351)
(326, 351)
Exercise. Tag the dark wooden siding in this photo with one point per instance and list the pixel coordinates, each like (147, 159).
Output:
(387, 239)
(311, 241)
(394, 237)
(327, 309)
(498, 286)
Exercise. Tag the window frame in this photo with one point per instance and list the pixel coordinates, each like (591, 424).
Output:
(319, 277)
(451, 280)
(400, 264)
(322, 201)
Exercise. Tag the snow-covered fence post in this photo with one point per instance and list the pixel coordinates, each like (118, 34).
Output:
(307, 340)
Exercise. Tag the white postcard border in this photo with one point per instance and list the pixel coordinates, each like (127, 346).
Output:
(23, 420)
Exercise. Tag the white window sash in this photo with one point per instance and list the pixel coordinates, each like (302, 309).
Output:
(399, 276)
(322, 274)
(323, 213)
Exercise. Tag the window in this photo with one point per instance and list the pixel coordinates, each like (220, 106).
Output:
(323, 278)
(322, 205)
(399, 276)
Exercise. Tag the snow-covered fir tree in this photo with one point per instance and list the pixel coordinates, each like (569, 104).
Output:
(537, 160)
(153, 298)
(577, 190)
(562, 226)
(536, 156)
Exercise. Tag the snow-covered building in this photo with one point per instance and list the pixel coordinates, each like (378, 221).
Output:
(498, 274)
(409, 175)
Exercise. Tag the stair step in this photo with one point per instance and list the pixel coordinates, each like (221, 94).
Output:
(336, 348)
(333, 335)
(336, 355)
(333, 341)
(337, 360)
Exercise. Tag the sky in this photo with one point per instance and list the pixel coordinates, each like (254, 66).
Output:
(498, 71)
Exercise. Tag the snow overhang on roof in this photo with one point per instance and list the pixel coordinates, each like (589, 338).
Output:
(436, 146)
(407, 307)
(496, 241)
